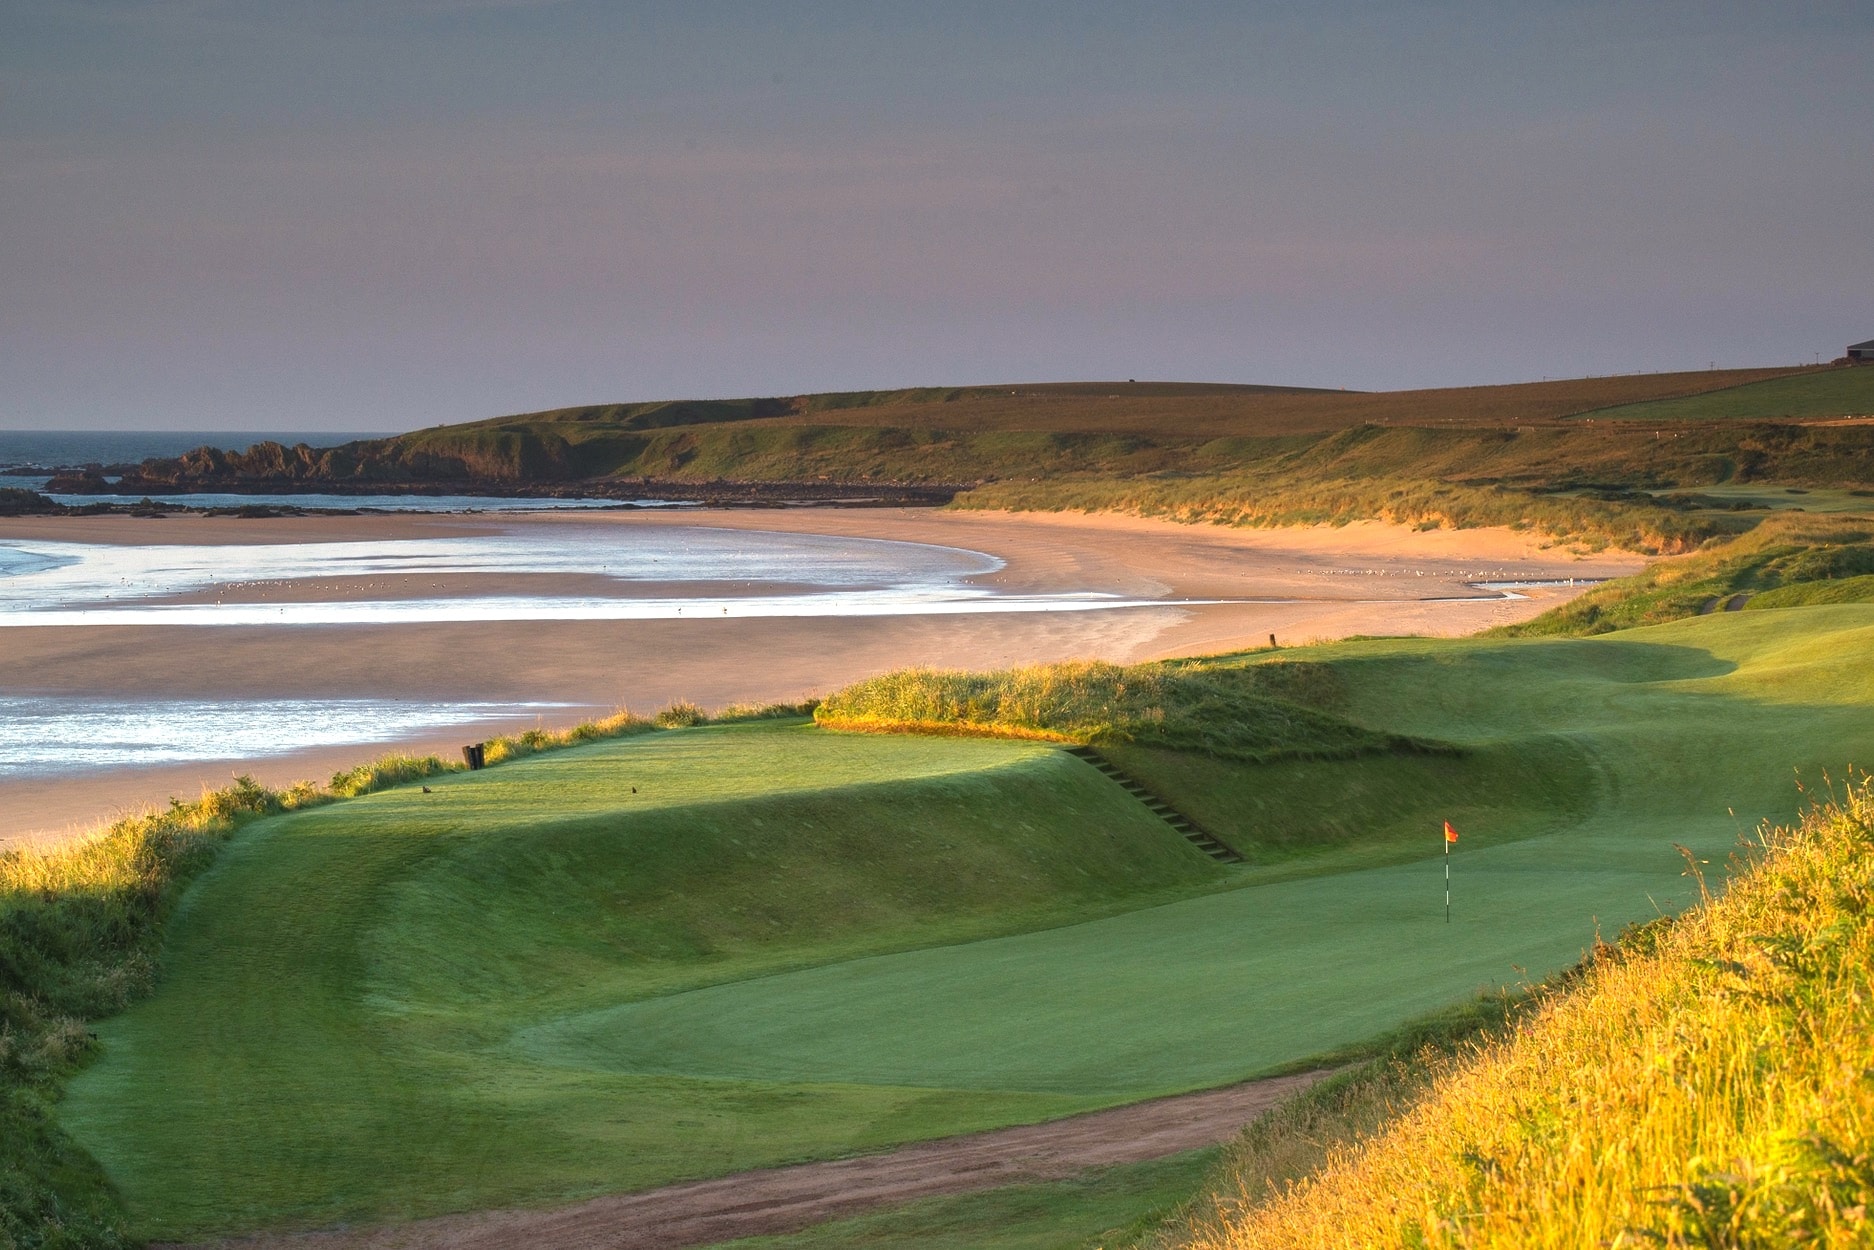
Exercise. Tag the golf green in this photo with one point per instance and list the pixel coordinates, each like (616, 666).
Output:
(534, 984)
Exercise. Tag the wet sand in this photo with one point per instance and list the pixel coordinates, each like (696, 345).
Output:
(1366, 578)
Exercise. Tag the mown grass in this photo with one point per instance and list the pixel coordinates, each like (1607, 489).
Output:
(1706, 1084)
(339, 1031)
(80, 929)
(78, 936)
(532, 984)
(1233, 712)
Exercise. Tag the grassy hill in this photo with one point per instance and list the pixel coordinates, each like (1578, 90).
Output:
(1811, 395)
(533, 984)
(1592, 458)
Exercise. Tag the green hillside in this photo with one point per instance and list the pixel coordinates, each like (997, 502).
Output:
(533, 984)
(1800, 397)
(1533, 455)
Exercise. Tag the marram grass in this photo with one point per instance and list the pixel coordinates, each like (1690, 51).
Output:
(1711, 1084)
(1251, 712)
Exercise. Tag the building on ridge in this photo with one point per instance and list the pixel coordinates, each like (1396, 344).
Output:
(1862, 353)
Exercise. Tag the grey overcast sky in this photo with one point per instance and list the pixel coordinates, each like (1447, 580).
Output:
(379, 214)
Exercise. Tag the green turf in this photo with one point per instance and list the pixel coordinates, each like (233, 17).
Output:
(1821, 393)
(330, 1039)
(532, 985)
(1108, 1207)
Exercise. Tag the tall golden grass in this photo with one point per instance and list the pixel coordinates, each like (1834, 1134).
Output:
(1709, 1084)
(1230, 709)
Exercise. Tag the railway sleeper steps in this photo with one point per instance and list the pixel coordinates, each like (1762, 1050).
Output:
(1199, 837)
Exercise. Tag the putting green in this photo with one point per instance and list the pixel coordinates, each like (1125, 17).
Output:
(533, 984)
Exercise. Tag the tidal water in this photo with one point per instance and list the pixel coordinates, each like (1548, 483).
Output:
(581, 571)
(44, 736)
(626, 574)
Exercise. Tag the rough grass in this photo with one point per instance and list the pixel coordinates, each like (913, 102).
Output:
(1232, 712)
(1607, 483)
(1787, 561)
(1704, 1085)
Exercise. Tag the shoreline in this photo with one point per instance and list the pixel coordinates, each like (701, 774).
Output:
(1325, 582)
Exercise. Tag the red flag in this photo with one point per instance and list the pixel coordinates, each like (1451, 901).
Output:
(1451, 835)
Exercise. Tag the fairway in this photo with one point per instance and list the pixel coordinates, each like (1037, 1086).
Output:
(534, 984)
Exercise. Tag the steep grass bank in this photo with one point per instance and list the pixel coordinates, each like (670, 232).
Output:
(1705, 1084)
(378, 1046)
(80, 931)
(1249, 713)
(1787, 561)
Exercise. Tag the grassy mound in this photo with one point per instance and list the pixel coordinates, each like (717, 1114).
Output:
(1251, 713)
(1706, 1085)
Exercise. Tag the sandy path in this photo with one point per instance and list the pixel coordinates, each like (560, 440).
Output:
(780, 1200)
(1328, 582)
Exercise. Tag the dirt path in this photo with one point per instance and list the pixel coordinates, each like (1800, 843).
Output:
(780, 1200)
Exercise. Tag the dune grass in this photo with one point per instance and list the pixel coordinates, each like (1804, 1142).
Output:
(1788, 560)
(1236, 712)
(1706, 1084)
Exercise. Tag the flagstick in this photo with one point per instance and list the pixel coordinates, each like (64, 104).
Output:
(1447, 880)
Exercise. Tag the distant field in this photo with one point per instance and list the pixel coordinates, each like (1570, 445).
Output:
(1230, 412)
(1156, 410)
(534, 984)
(1804, 396)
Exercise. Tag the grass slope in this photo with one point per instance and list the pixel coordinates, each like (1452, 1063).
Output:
(1707, 1085)
(1803, 396)
(1786, 561)
(522, 987)
(332, 1037)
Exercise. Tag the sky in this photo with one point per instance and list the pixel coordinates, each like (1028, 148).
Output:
(383, 214)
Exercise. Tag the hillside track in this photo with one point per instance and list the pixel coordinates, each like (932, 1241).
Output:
(778, 1200)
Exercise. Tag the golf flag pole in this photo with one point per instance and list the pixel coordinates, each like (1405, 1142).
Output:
(1451, 835)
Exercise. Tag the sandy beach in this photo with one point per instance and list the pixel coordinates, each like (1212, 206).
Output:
(1313, 583)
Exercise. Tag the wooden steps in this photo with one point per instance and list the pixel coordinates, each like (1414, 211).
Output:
(1205, 841)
